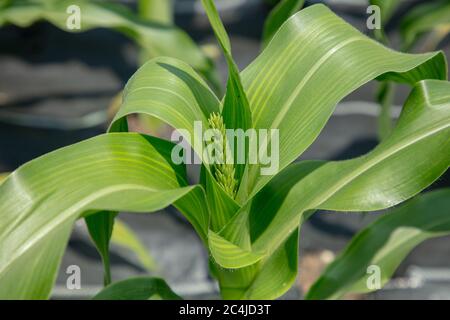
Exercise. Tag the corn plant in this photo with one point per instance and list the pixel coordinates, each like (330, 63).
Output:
(384, 244)
(248, 221)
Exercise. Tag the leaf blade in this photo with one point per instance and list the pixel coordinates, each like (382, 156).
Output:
(287, 85)
(282, 11)
(41, 200)
(390, 238)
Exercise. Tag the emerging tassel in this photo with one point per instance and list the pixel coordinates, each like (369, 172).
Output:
(223, 172)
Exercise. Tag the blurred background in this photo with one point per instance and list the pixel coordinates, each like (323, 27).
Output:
(59, 87)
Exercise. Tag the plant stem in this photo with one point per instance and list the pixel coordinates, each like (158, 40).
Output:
(106, 270)
(385, 98)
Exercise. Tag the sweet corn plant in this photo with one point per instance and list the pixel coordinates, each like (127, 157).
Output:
(248, 221)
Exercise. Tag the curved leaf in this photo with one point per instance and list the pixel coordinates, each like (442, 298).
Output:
(314, 61)
(171, 91)
(229, 255)
(123, 236)
(100, 226)
(282, 11)
(384, 243)
(140, 288)
(40, 201)
(379, 179)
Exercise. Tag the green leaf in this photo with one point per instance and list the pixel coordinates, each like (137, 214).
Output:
(40, 201)
(140, 288)
(282, 11)
(158, 39)
(433, 16)
(379, 179)
(123, 236)
(170, 90)
(313, 62)
(384, 243)
(100, 226)
(277, 273)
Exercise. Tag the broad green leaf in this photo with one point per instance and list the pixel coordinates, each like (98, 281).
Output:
(282, 11)
(100, 226)
(312, 63)
(380, 179)
(140, 288)
(229, 255)
(41, 200)
(432, 16)
(375, 181)
(276, 274)
(123, 236)
(171, 91)
(236, 110)
(158, 39)
(384, 244)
